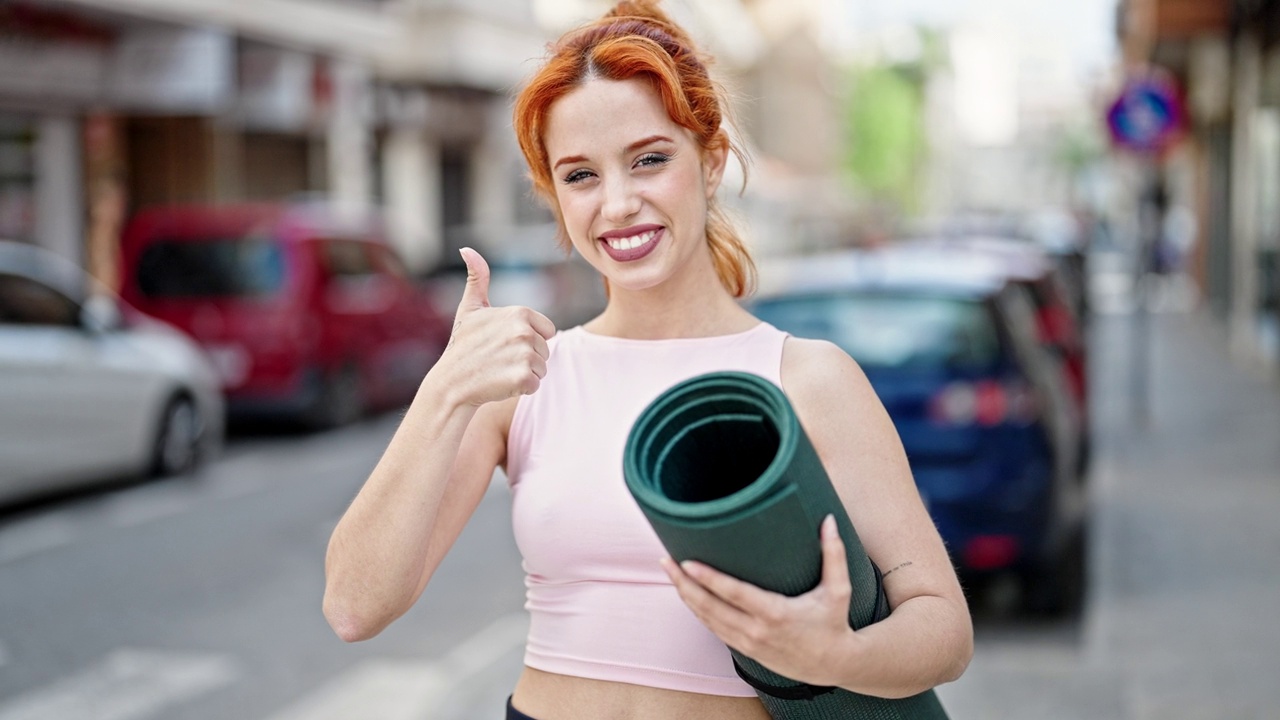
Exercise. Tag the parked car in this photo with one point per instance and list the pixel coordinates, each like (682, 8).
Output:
(951, 349)
(90, 389)
(1058, 326)
(1067, 236)
(307, 316)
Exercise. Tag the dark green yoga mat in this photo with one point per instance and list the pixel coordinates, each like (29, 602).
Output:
(725, 474)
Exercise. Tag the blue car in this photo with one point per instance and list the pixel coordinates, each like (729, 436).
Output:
(950, 345)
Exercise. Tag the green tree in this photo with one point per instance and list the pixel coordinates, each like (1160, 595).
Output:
(886, 136)
(885, 122)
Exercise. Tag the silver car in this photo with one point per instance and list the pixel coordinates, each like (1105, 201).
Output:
(90, 389)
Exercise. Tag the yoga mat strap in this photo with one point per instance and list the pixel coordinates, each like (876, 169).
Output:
(803, 691)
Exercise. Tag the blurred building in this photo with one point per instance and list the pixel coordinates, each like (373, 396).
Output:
(1225, 54)
(399, 105)
(997, 109)
(794, 112)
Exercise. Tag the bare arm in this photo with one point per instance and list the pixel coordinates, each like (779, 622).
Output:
(928, 637)
(437, 466)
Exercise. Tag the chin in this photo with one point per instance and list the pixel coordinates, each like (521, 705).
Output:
(636, 282)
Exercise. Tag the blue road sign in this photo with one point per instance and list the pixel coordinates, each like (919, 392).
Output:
(1148, 115)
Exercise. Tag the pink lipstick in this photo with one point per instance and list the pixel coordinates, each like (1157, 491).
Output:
(632, 243)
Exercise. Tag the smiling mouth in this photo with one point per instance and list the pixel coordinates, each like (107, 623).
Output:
(632, 242)
(627, 248)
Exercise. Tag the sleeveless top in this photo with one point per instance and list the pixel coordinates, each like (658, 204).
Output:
(600, 605)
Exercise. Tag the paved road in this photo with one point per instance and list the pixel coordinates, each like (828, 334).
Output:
(200, 600)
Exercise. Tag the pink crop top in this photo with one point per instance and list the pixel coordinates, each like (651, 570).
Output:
(600, 605)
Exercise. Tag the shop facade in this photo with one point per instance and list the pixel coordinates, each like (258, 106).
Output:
(107, 107)
(1225, 55)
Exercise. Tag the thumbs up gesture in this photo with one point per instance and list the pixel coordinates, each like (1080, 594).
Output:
(494, 353)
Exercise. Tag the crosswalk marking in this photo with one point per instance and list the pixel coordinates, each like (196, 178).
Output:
(404, 689)
(128, 684)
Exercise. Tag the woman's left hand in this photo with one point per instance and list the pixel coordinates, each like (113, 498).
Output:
(806, 637)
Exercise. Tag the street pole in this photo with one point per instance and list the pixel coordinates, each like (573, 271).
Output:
(1154, 200)
(1147, 117)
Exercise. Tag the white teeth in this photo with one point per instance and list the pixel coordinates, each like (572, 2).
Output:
(634, 241)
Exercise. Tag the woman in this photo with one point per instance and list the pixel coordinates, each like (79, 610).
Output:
(622, 130)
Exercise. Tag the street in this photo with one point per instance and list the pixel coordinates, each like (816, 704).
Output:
(199, 599)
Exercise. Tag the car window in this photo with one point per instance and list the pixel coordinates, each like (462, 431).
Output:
(24, 301)
(1041, 366)
(388, 262)
(886, 330)
(346, 259)
(215, 267)
(1018, 307)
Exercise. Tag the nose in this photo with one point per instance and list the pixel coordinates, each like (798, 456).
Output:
(621, 201)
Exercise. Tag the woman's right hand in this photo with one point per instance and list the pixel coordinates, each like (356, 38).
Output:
(494, 353)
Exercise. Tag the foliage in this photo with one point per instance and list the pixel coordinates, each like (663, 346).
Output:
(885, 122)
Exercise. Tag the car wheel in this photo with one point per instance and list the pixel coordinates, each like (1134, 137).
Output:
(1057, 587)
(177, 447)
(340, 401)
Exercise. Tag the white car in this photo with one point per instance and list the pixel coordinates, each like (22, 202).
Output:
(90, 389)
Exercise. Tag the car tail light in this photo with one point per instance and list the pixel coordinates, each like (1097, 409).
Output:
(957, 404)
(991, 552)
(1056, 327)
(986, 403)
(991, 405)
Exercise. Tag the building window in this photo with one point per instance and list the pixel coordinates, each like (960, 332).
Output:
(17, 178)
(455, 198)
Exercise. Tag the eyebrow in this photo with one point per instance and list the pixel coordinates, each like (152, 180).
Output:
(630, 148)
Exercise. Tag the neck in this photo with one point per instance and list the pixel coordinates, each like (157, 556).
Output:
(690, 304)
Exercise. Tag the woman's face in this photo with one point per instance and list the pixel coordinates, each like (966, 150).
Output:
(632, 185)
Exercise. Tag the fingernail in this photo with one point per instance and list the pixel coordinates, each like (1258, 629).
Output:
(829, 527)
(689, 567)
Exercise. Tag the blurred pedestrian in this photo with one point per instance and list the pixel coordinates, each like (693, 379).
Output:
(625, 138)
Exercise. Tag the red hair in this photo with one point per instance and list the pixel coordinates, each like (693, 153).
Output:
(636, 39)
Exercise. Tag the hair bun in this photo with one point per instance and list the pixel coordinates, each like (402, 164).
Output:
(648, 11)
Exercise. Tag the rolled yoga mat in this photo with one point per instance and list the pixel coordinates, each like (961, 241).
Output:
(725, 474)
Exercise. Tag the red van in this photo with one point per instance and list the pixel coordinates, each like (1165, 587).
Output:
(306, 316)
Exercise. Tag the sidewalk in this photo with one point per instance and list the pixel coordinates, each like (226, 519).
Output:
(1183, 619)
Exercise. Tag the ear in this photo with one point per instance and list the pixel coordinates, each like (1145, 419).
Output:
(713, 164)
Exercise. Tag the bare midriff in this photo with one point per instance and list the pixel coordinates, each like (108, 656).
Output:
(549, 696)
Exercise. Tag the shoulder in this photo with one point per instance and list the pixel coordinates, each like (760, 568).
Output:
(817, 375)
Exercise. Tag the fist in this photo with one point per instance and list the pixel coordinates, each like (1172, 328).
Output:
(494, 353)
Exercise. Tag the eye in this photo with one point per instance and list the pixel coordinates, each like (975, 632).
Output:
(577, 176)
(652, 159)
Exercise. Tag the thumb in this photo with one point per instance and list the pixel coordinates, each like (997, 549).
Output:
(835, 563)
(476, 294)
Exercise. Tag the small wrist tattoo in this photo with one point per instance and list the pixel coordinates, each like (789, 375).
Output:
(899, 567)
